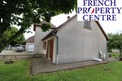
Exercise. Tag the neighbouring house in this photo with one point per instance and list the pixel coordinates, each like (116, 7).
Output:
(30, 44)
(72, 41)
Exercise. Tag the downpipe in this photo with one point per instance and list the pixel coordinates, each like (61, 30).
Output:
(57, 39)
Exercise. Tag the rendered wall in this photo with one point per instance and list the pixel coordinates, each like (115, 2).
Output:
(38, 49)
(79, 44)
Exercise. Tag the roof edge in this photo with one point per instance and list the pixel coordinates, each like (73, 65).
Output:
(102, 30)
(99, 25)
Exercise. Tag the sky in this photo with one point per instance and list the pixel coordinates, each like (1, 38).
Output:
(108, 26)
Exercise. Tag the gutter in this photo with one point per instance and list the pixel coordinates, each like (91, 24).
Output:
(57, 49)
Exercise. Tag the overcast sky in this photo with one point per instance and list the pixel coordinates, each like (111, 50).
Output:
(109, 27)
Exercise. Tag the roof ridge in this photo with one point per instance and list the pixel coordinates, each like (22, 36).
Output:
(66, 21)
(60, 26)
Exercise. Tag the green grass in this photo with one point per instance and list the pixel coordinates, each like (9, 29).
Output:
(115, 55)
(19, 71)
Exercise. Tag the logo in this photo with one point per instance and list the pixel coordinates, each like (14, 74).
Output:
(98, 10)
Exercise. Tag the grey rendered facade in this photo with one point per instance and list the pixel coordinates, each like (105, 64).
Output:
(38, 43)
(72, 42)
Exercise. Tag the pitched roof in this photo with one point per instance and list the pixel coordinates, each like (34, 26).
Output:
(30, 39)
(102, 30)
(62, 25)
(39, 25)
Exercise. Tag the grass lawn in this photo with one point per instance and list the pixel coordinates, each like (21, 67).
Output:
(19, 71)
(115, 55)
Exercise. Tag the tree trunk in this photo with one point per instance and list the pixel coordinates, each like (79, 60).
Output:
(11, 39)
(4, 25)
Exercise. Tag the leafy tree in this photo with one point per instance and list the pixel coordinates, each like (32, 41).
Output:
(10, 32)
(26, 12)
(115, 42)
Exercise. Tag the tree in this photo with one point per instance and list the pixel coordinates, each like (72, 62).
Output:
(10, 32)
(115, 42)
(26, 12)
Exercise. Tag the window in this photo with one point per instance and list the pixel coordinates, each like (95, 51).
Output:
(87, 24)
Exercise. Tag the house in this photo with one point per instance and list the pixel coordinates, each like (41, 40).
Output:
(72, 41)
(30, 44)
(38, 43)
